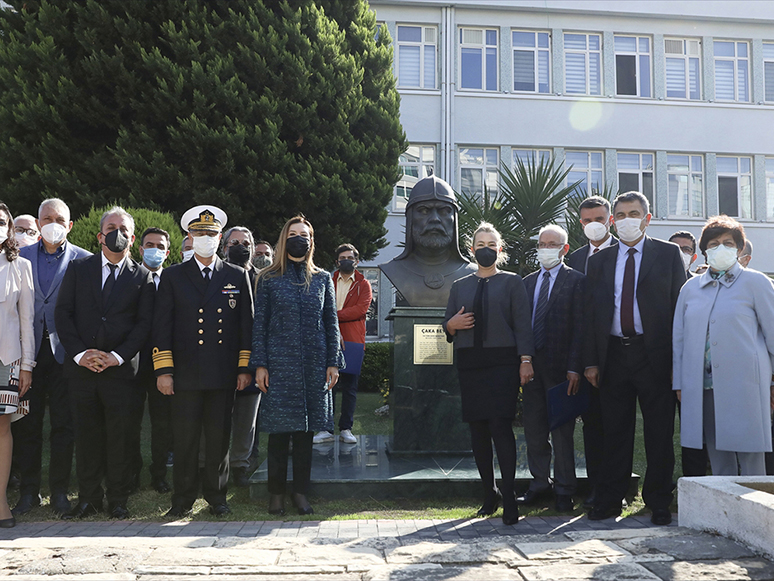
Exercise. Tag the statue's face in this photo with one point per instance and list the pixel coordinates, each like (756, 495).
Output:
(433, 224)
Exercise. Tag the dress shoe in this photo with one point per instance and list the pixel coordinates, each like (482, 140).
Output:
(119, 512)
(178, 511)
(491, 503)
(533, 496)
(59, 504)
(302, 504)
(564, 503)
(240, 477)
(220, 509)
(82, 510)
(170, 459)
(511, 514)
(161, 486)
(7, 523)
(604, 512)
(661, 516)
(277, 504)
(590, 501)
(26, 503)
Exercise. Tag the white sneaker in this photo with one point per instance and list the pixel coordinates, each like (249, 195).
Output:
(321, 437)
(347, 437)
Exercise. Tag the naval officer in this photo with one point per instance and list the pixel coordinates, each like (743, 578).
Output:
(202, 341)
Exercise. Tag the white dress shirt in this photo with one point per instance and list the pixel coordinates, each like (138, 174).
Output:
(602, 246)
(156, 276)
(551, 280)
(620, 266)
(203, 266)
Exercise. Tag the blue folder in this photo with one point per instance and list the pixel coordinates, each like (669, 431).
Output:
(563, 408)
(353, 357)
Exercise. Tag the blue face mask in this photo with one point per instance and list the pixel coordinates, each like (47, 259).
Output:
(153, 257)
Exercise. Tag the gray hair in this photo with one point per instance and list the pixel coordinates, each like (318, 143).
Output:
(121, 212)
(24, 217)
(227, 237)
(556, 229)
(58, 206)
(748, 248)
(632, 196)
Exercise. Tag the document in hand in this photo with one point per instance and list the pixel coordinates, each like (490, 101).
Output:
(563, 408)
(353, 357)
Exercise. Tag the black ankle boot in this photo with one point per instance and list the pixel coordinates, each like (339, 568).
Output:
(491, 503)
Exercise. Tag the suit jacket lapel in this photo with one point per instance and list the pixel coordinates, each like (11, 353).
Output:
(216, 282)
(193, 272)
(34, 263)
(61, 267)
(95, 268)
(561, 276)
(529, 284)
(121, 282)
(608, 273)
(648, 260)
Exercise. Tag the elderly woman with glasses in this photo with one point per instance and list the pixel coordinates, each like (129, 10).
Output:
(723, 349)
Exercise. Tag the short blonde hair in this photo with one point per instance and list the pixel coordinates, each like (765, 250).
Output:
(502, 255)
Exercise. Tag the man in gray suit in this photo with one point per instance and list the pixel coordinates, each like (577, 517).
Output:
(50, 257)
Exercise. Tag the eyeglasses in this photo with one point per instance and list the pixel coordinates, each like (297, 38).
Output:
(235, 242)
(551, 245)
(687, 250)
(727, 244)
(30, 231)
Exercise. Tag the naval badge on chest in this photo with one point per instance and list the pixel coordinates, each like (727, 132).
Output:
(232, 292)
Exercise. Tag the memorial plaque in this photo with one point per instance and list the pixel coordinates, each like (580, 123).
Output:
(431, 347)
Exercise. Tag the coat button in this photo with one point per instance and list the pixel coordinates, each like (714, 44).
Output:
(201, 341)
(220, 320)
(104, 318)
(714, 342)
(201, 320)
(712, 321)
(220, 310)
(716, 365)
(201, 310)
(220, 330)
(201, 331)
(219, 342)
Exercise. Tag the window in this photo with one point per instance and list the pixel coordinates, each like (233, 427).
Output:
(583, 63)
(478, 58)
(417, 162)
(417, 56)
(768, 70)
(770, 188)
(478, 167)
(682, 68)
(685, 175)
(586, 166)
(531, 61)
(527, 155)
(735, 186)
(732, 73)
(635, 172)
(632, 66)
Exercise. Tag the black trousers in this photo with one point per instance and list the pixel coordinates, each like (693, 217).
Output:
(195, 412)
(277, 461)
(48, 382)
(103, 410)
(499, 431)
(629, 378)
(694, 461)
(161, 431)
(593, 437)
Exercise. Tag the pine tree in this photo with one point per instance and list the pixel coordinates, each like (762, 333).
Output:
(261, 107)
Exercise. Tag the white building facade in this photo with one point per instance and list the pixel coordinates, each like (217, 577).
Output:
(675, 99)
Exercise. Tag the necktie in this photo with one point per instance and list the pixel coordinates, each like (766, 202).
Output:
(206, 272)
(156, 279)
(595, 250)
(539, 327)
(627, 297)
(110, 281)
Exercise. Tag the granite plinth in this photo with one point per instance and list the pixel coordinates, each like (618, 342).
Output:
(425, 399)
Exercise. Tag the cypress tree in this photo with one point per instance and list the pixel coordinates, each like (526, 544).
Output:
(261, 107)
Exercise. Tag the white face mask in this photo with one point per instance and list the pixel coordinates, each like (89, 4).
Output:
(53, 233)
(205, 246)
(3, 236)
(687, 258)
(549, 257)
(721, 257)
(25, 240)
(595, 231)
(628, 229)
(187, 255)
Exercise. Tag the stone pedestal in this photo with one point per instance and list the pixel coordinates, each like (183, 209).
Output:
(425, 399)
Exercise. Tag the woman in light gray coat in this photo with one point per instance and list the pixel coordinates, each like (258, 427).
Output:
(723, 352)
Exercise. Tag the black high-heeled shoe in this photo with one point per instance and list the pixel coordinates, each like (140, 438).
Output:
(510, 512)
(277, 504)
(302, 504)
(491, 503)
(8, 523)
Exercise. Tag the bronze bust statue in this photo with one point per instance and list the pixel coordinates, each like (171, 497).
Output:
(431, 260)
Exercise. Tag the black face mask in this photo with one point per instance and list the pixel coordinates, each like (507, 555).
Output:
(238, 254)
(486, 257)
(116, 241)
(347, 266)
(298, 246)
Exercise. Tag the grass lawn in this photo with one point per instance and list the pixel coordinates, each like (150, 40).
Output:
(149, 505)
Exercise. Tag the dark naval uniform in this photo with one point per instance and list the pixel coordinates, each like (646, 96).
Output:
(202, 336)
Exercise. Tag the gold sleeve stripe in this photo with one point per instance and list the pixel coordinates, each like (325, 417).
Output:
(244, 358)
(162, 359)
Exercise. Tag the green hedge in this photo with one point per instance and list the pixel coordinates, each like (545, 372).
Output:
(86, 228)
(376, 373)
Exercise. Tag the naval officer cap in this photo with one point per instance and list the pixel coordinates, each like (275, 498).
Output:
(205, 218)
(432, 188)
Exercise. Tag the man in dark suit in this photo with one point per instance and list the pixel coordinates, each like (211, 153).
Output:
(104, 315)
(202, 338)
(596, 219)
(556, 299)
(687, 243)
(632, 290)
(50, 257)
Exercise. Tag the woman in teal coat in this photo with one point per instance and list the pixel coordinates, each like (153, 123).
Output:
(296, 353)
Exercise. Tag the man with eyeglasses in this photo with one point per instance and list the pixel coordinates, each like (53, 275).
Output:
(687, 243)
(25, 230)
(556, 298)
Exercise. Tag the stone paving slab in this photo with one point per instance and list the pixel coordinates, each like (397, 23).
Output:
(734, 570)
(585, 572)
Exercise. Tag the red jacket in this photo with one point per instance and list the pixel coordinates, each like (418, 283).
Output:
(352, 316)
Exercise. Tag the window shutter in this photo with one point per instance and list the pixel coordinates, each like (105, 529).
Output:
(408, 66)
(523, 70)
(675, 77)
(429, 66)
(673, 46)
(769, 80)
(472, 36)
(575, 71)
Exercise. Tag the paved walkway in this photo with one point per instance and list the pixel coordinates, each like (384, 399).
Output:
(537, 549)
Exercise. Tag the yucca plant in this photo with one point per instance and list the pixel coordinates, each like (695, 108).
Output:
(572, 213)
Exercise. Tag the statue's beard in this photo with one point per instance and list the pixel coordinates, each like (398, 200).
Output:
(434, 240)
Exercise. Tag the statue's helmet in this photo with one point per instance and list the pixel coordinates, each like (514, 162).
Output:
(432, 188)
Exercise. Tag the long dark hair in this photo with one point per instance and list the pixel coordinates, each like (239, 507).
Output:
(10, 247)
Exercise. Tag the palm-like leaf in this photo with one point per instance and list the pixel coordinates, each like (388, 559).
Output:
(572, 213)
(487, 208)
